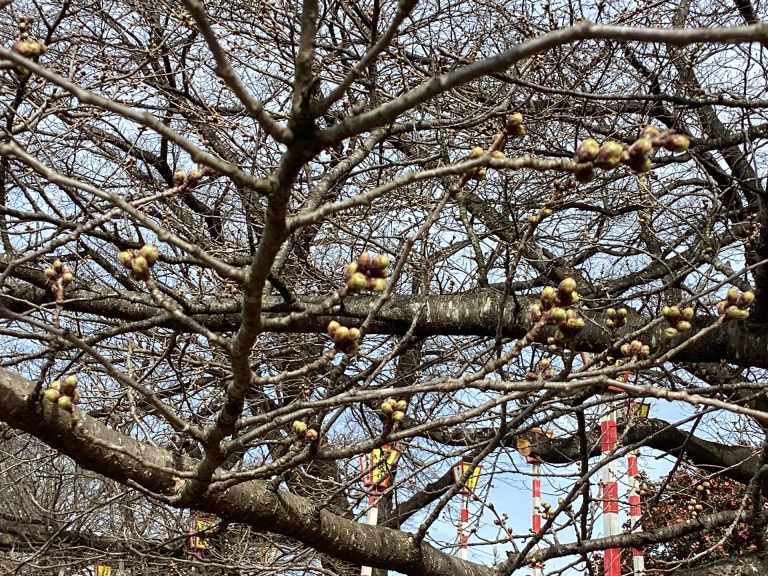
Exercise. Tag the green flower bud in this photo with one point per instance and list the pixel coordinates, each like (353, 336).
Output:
(65, 403)
(140, 266)
(150, 253)
(587, 150)
(357, 282)
(640, 147)
(567, 286)
(676, 142)
(609, 155)
(476, 152)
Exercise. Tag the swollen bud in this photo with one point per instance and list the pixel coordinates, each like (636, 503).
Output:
(376, 284)
(676, 142)
(670, 332)
(125, 258)
(299, 427)
(65, 403)
(380, 262)
(649, 132)
(357, 282)
(150, 253)
(641, 165)
(567, 286)
(548, 295)
(587, 150)
(194, 176)
(140, 266)
(51, 395)
(514, 119)
(640, 147)
(736, 313)
(341, 335)
(609, 155)
(625, 349)
(557, 315)
(746, 299)
(476, 152)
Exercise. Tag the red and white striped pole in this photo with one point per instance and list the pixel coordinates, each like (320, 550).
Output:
(633, 471)
(377, 476)
(462, 527)
(610, 486)
(536, 568)
(372, 518)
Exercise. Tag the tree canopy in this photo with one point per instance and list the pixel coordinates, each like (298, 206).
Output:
(247, 242)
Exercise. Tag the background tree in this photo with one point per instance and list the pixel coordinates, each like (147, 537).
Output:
(184, 187)
(686, 494)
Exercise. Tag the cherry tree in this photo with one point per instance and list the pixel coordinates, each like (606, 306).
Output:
(247, 243)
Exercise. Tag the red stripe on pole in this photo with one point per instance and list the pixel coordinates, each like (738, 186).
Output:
(373, 501)
(611, 499)
(612, 562)
(608, 435)
(637, 552)
(634, 506)
(465, 515)
(632, 467)
(536, 488)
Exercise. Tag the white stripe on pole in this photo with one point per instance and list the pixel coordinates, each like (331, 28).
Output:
(463, 522)
(372, 519)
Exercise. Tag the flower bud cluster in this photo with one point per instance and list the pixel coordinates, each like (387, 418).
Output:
(480, 172)
(636, 156)
(345, 339)
(25, 46)
(616, 318)
(552, 309)
(139, 261)
(63, 393)
(394, 409)
(514, 126)
(303, 432)
(188, 180)
(543, 370)
(367, 273)
(635, 349)
(679, 319)
(736, 303)
(59, 274)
